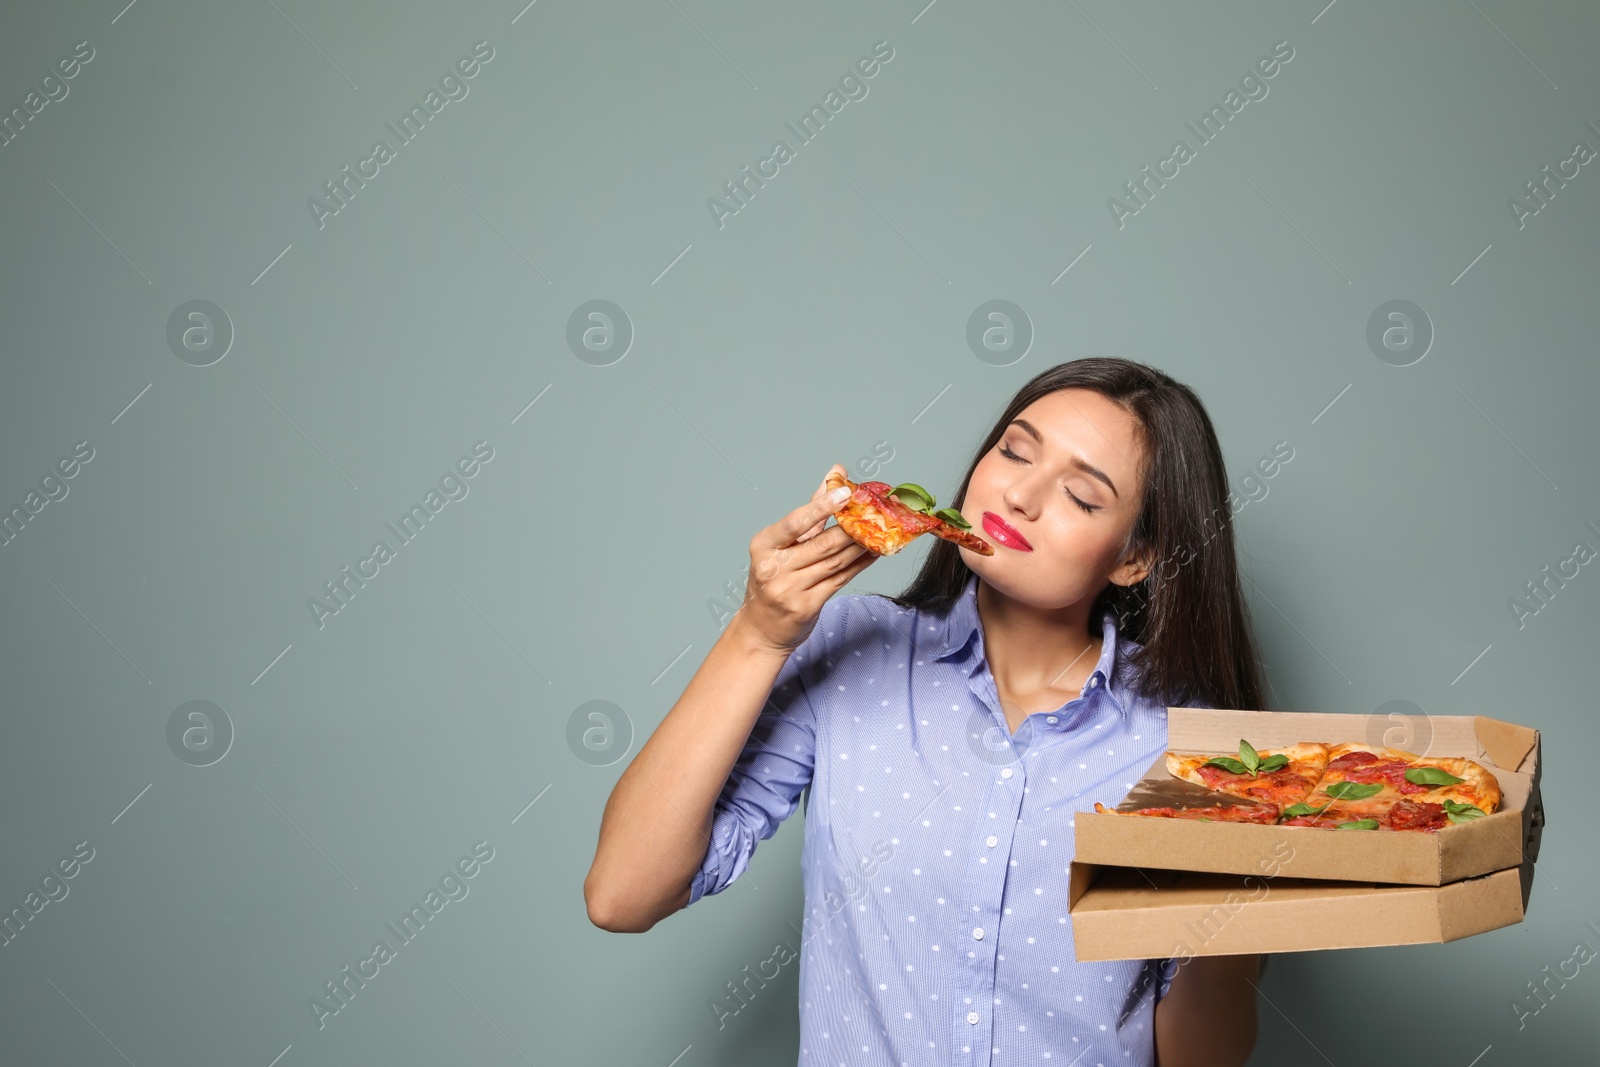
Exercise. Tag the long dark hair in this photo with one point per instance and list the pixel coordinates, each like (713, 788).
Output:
(1187, 614)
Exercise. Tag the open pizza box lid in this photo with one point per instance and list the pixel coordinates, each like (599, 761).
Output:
(1128, 913)
(1499, 841)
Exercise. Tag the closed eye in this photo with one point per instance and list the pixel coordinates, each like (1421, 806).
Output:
(1006, 452)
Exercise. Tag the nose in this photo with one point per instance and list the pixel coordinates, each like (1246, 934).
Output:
(1022, 495)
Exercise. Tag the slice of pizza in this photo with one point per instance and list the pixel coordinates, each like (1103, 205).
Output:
(885, 518)
(1279, 777)
(1371, 787)
(1264, 814)
(1360, 785)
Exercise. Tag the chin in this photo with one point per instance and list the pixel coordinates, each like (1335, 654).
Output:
(1006, 576)
(1021, 579)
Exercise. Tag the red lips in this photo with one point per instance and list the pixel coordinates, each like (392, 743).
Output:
(1003, 533)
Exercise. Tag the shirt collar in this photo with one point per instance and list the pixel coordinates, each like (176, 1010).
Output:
(962, 626)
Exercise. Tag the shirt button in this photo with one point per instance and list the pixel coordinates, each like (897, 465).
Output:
(992, 841)
(1006, 772)
(1051, 719)
(977, 932)
(972, 1016)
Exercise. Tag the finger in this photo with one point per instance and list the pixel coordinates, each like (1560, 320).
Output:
(822, 487)
(769, 562)
(787, 530)
(809, 534)
(840, 576)
(835, 468)
(826, 562)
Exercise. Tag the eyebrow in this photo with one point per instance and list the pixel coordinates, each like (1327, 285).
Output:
(1077, 461)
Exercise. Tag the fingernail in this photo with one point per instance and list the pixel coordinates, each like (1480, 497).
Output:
(839, 495)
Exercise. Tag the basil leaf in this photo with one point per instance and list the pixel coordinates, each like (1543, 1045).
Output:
(1353, 790)
(913, 496)
(1272, 763)
(1247, 755)
(1431, 776)
(1457, 812)
(1304, 809)
(953, 517)
(1230, 764)
(1202, 818)
(1360, 824)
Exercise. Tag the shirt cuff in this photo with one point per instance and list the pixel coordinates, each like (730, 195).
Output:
(1168, 970)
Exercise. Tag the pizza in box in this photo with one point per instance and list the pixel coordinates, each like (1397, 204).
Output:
(1346, 786)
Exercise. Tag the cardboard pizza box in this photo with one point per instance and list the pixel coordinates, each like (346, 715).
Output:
(1499, 841)
(1131, 913)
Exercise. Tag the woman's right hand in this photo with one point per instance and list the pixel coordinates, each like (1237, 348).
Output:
(795, 566)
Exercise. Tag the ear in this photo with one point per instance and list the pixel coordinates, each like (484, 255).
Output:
(1132, 570)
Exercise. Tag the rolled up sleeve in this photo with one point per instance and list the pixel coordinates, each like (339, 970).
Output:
(775, 765)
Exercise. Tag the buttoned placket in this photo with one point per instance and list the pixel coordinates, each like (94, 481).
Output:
(990, 860)
(989, 856)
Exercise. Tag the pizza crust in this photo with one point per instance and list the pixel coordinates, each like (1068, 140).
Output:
(1480, 789)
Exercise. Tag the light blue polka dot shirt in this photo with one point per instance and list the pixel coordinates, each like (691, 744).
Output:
(936, 847)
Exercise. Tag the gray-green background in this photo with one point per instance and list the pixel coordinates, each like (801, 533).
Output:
(830, 313)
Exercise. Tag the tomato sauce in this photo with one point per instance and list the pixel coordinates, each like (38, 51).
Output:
(1269, 787)
(1362, 766)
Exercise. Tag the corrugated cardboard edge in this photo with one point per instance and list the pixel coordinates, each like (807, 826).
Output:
(1341, 915)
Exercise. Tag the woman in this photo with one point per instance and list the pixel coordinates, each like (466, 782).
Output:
(949, 733)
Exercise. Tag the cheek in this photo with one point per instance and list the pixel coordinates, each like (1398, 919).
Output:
(1089, 541)
(983, 484)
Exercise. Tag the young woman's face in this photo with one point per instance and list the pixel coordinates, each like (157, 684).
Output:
(1057, 496)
